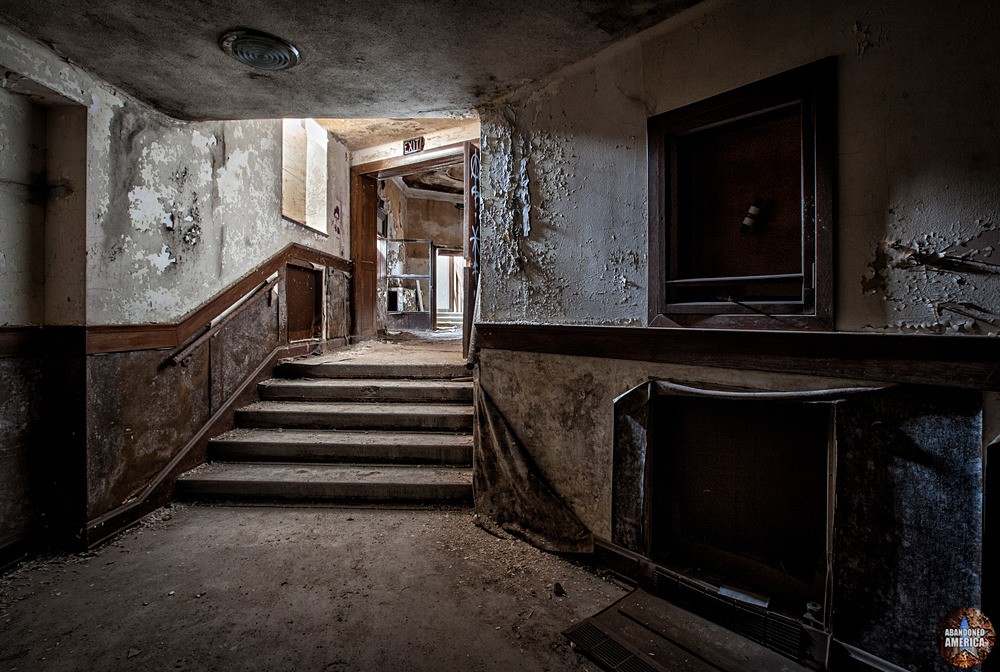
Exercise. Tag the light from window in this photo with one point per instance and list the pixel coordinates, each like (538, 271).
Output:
(304, 172)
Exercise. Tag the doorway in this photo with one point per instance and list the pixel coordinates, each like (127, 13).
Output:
(410, 241)
(450, 299)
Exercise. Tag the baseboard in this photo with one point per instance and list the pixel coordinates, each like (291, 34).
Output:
(160, 489)
(625, 564)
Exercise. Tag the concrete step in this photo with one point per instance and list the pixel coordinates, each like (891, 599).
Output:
(360, 369)
(302, 445)
(356, 415)
(326, 482)
(367, 389)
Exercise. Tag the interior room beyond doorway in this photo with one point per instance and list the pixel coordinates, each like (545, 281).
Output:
(420, 231)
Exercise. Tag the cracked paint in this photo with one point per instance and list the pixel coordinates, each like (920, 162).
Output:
(564, 233)
(564, 173)
(175, 211)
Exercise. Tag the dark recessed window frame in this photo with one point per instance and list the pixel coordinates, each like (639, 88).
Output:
(796, 290)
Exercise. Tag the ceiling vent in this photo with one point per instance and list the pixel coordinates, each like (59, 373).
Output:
(260, 50)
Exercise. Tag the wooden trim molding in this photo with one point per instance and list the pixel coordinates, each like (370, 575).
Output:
(126, 337)
(970, 362)
(19, 341)
(403, 165)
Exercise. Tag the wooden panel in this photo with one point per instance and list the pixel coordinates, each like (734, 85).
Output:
(120, 338)
(364, 254)
(957, 361)
(741, 187)
(723, 170)
(159, 489)
(303, 300)
(739, 490)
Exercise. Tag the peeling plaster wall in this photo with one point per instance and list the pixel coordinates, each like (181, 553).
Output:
(564, 178)
(564, 200)
(66, 216)
(149, 219)
(338, 204)
(175, 211)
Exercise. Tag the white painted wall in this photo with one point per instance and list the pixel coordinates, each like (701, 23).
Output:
(176, 211)
(918, 152)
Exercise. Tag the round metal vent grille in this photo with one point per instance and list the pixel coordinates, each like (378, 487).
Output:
(260, 50)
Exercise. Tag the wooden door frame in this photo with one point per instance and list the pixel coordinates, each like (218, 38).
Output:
(365, 214)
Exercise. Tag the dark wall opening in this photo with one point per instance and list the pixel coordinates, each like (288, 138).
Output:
(739, 494)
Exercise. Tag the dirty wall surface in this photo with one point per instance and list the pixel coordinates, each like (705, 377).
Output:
(145, 219)
(175, 211)
(562, 409)
(918, 151)
(566, 202)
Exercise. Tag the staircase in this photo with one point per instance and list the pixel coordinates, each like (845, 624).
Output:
(448, 320)
(346, 432)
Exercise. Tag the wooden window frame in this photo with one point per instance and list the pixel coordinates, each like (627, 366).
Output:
(811, 87)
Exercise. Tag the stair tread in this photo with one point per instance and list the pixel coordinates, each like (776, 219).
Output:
(357, 368)
(343, 474)
(368, 389)
(365, 407)
(356, 383)
(336, 437)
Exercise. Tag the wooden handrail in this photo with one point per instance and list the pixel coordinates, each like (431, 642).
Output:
(184, 353)
(126, 337)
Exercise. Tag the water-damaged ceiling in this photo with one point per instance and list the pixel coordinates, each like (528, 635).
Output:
(363, 59)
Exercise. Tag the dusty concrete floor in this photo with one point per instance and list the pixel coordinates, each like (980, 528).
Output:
(401, 347)
(257, 588)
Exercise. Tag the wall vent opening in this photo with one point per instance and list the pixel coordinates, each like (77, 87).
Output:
(260, 50)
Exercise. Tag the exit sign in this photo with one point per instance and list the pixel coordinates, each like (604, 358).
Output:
(413, 146)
